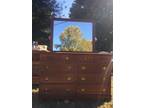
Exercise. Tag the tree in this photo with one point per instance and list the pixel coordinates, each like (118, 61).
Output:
(101, 12)
(42, 10)
(72, 40)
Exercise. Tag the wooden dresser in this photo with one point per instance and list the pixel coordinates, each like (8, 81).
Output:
(72, 75)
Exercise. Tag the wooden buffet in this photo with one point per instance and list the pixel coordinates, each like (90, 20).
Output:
(67, 75)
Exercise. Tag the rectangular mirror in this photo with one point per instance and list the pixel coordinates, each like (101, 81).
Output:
(72, 35)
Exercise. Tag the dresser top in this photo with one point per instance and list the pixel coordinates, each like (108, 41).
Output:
(75, 53)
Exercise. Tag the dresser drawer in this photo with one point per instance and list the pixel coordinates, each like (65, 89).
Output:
(91, 68)
(93, 92)
(57, 57)
(93, 58)
(93, 89)
(58, 78)
(57, 89)
(92, 78)
(57, 68)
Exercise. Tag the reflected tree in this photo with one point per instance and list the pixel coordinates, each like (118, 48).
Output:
(72, 40)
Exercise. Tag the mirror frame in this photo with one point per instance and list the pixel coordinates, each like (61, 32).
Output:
(72, 20)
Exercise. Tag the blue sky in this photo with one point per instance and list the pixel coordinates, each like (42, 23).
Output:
(67, 4)
(59, 26)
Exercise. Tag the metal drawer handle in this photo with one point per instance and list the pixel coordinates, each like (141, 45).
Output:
(69, 78)
(69, 67)
(104, 68)
(104, 79)
(83, 67)
(46, 78)
(83, 78)
(82, 90)
(104, 90)
(67, 90)
(67, 58)
(47, 67)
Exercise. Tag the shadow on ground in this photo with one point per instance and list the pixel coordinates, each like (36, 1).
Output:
(37, 103)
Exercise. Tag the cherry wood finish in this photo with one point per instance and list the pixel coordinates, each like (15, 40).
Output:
(72, 75)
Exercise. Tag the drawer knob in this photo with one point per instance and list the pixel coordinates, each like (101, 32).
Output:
(104, 79)
(83, 67)
(46, 78)
(67, 90)
(83, 78)
(104, 68)
(69, 78)
(104, 90)
(69, 67)
(67, 58)
(82, 90)
(47, 67)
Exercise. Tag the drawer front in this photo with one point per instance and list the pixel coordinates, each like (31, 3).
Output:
(93, 58)
(91, 68)
(57, 89)
(65, 58)
(93, 78)
(58, 78)
(75, 56)
(48, 68)
(93, 89)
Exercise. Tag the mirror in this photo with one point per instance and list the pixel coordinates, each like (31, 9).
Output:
(72, 35)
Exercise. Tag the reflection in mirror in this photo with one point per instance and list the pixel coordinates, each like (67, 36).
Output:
(71, 35)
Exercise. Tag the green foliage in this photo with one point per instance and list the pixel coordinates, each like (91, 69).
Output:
(42, 11)
(72, 40)
(101, 12)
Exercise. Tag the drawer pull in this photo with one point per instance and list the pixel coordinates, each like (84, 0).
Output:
(104, 79)
(69, 78)
(83, 67)
(67, 90)
(47, 67)
(69, 67)
(104, 90)
(83, 78)
(104, 68)
(46, 78)
(67, 58)
(82, 90)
